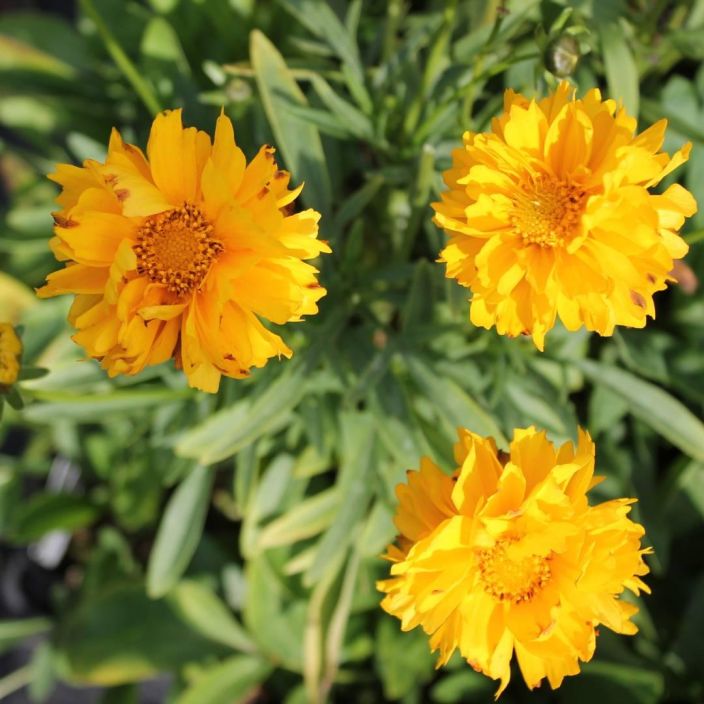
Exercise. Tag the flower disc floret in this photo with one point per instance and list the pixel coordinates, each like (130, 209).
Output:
(507, 557)
(550, 215)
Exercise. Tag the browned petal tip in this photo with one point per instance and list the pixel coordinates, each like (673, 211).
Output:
(685, 277)
(61, 221)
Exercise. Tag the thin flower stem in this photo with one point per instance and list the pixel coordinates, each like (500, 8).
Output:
(419, 198)
(123, 62)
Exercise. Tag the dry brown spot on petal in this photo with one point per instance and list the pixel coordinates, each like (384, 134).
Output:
(638, 299)
(61, 221)
(122, 194)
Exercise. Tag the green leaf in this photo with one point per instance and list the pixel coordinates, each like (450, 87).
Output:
(418, 309)
(229, 681)
(613, 683)
(353, 483)
(43, 673)
(82, 408)
(160, 41)
(278, 631)
(41, 42)
(654, 406)
(44, 513)
(304, 520)
(200, 607)
(620, 67)
(403, 660)
(123, 636)
(353, 119)
(465, 685)
(320, 19)
(452, 402)
(179, 531)
(232, 429)
(300, 143)
(16, 630)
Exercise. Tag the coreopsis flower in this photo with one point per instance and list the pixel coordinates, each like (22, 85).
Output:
(10, 353)
(183, 253)
(507, 556)
(550, 214)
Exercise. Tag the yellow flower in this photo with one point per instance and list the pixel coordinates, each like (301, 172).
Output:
(504, 558)
(10, 352)
(549, 215)
(182, 254)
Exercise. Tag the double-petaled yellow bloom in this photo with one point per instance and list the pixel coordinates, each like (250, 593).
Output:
(550, 215)
(182, 253)
(10, 353)
(503, 558)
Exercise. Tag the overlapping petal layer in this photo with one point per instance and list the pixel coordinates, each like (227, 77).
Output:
(182, 253)
(549, 215)
(509, 557)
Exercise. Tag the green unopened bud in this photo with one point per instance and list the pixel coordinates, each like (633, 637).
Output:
(562, 56)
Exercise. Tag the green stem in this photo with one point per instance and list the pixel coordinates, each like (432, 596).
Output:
(14, 681)
(123, 62)
(419, 198)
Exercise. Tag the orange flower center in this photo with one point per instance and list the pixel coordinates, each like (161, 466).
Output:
(508, 579)
(176, 248)
(547, 211)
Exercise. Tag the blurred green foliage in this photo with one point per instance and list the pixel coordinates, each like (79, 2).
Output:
(233, 540)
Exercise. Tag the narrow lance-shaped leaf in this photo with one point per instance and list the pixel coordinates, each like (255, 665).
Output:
(229, 681)
(299, 142)
(655, 407)
(621, 71)
(200, 607)
(179, 531)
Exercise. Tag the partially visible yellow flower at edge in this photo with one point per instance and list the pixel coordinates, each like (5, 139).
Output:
(508, 557)
(10, 353)
(549, 215)
(183, 253)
